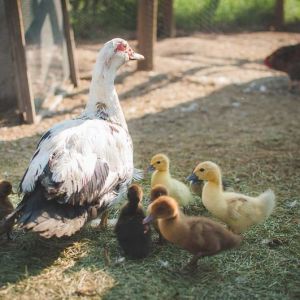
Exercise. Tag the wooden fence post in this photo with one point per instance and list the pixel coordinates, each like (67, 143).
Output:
(147, 27)
(16, 30)
(279, 14)
(69, 35)
(168, 19)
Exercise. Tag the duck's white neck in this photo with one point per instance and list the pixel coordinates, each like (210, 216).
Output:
(103, 101)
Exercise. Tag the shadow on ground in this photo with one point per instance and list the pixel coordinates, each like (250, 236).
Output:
(253, 135)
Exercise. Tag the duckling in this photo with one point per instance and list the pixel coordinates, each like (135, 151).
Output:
(196, 184)
(6, 207)
(157, 191)
(160, 165)
(133, 236)
(198, 235)
(238, 211)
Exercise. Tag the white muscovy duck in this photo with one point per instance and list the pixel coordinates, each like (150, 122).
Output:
(81, 166)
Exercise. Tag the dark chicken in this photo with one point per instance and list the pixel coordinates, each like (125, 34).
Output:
(286, 59)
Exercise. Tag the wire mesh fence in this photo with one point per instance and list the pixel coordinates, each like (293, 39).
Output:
(48, 60)
(46, 51)
(100, 18)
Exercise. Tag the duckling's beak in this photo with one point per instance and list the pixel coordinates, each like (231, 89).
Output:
(148, 219)
(150, 169)
(193, 178)
(146, 228)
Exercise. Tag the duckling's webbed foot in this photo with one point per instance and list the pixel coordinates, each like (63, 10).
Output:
(161, 241)
(192, 265)
(10, 236)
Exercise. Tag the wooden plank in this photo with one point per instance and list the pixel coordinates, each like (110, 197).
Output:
(168, 18)
(17, 40)
(279, 14)
(147, 27)
(69, 35)
(8, 91)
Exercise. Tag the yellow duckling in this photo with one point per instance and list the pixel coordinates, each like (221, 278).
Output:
(238, 211)
(160, 165)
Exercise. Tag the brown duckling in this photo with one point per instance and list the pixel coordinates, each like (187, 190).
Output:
(133, 236)
(6, 207)
(198, 235)
(157, 191)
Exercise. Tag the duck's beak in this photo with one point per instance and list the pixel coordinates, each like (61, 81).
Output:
(134, 56)
(150, 169)
(148, 219)
(193, 178)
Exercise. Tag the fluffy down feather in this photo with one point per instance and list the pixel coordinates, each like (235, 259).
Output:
(238, 211)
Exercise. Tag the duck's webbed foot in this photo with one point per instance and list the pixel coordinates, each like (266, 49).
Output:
(104, 219)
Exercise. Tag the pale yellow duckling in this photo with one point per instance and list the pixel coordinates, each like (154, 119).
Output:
(160, 164)
(238, 211)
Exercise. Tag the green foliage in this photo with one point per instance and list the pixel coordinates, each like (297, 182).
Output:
(223, 14)
(98, 17)
(292, 11)
(243, 12)
(93, 18)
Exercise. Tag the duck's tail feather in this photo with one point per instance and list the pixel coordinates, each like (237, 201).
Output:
(267, 200)
(49, 218)
(138, 174)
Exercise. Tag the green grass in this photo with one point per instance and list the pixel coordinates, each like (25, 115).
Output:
(105, 18)
(230, 14)
(76, 267)
(292, 11)
(257, 146)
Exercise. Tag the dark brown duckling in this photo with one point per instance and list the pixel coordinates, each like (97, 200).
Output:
(198, 235)
(157, 191)
(6, 207)
(133, 236)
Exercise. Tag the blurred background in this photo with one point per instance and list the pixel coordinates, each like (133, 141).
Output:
(41, 66)
(101, 18)
(206, 91)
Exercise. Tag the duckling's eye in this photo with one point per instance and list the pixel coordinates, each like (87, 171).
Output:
(158, 162)
(202, 170)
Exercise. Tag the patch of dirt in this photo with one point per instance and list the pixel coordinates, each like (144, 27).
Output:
(209, 97)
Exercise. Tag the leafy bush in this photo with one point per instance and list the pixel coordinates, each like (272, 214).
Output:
(95, 17)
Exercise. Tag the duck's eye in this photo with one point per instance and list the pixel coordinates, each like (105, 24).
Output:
(121, 47)
(158, 162)
(202, 170)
